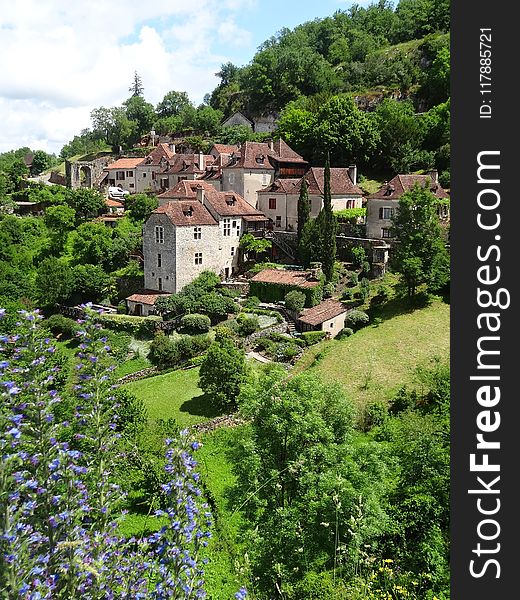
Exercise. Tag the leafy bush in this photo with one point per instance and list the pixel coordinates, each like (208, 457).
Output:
(364, 288)
(328, 290)
(60, 325)
(251, 302)
(353, 279)
(122, 309)
(345, 332)
(347, 294)
(166, 353)
(266, 345)
(295, 301)
(356, 319)
(247, 324)
(195, 323)
(313, 337)
(284, 339)
(286, 352)
(365, 267)
(119, 345)
(375, 414)
(260, 311)
(139, 327)
(359, 255)
(382, 296)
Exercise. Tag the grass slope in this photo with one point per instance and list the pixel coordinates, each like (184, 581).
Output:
(376, 361)
(175, 395)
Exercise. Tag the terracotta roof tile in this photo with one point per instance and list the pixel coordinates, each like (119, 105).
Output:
(340, 183)
(400, 184)
(258, 155)
(157, 154)
(303, 279)
(189, 163)
(186, 213)
(146, 296)
(226, 148)
(114, 203)
(125, 163)
(328, 309)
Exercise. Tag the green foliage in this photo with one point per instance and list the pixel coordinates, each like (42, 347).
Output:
(271, 292)
(420, 255)
(364, 288)
(304, 209)
(247, 324)
(167, 353)
(138, 327)
(295, 301)
(344, 333)
(356, 319)
(132, 415)
(58, 324)
(313, 337)
(54, 282)
(223, 372)
(249, 243)
(359, 255)
(350, 215)
(140, 206)
(86, 203)
(251, 302)
(41, 162)
(194, 323)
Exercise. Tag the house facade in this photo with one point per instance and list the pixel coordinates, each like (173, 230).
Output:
(279, 202)
(196, 228)
(123, 173)
(328, 316)
(382, 206)
(256, 165)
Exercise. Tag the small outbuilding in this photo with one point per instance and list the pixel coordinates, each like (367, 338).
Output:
(142, 303)
(328, 316)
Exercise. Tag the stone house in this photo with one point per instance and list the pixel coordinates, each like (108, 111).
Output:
(194, 230)
(257, 164)
(184, 167)
(123, 173)
(142, 303)
(150, 170)
(279, 201)
(328, 316)
(237, 118)
(381, 205)
(272, 285)
(265, 123)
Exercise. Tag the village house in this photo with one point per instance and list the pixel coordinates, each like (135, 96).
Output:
(184, 167)
(196, 228)
(142, 303)
(272, 285)
(257, 164)
(382, 205)
(328, 316)
(265, 123)
(279, 201)
(123, 173)
(150, 171)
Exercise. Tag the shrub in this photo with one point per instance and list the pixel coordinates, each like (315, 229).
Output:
(364, 288)
(313, 337)
(295, 301)
(365, 267)
(264, 344)
(119, 345)
(345, 332)
(189, 346)
(60, 325)
(356, 319)
(347, 294)
(353, 279)
(286, 352)
(162, 353)
(195, 323)
(122, 308)
(251, 302)
(247, 324)
(382, 296)
(139, 327)
(328, 290)
(375, 414)
(284, 338)
(359, 255)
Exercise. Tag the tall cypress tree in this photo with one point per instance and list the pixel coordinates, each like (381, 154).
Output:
(304, 252)
(328, 227)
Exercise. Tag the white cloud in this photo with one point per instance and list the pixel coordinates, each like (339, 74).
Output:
(61, 59)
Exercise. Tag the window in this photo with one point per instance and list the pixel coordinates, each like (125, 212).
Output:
(131, 185)
(272, 203)
(159, 260)
(153, 175)
(159, 284)
(278, 221)
(234, 224)
(129, 173)
(159, 234)
(197, 233)
(238, 230)
(231, 178)
(386, 233)
(227, 227)
(144, 174)
(233, 251)
(386, 213)
(264, 179)
(198, 258)
(120, 175)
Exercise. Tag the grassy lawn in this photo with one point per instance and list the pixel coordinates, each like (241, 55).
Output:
(376, 361)
(175, 395)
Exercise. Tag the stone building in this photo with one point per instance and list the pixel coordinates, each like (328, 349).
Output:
(279, 201)
(194, 230)
(257, 164)
(328, 316)
(382, 205)
(88, 171)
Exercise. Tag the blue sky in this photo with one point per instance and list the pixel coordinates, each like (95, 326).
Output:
(60, 59)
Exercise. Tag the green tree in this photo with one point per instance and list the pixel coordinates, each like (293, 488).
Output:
(140, 206)
(91, 283)
(136, 87)
(54, 282)
(420, 254)
(140, 112)
(257, 246)
(113, 127)
(222, 372)
(41, 162)
(295, 301)
(60, 219)
(86, 203)
(173, 104)
(328, 226)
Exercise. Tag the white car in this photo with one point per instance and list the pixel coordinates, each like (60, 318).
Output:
(117, 192)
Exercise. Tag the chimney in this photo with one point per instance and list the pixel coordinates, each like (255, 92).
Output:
(271, 144)
(201, 161)
(200, 194)
(172, 148)
(352, 173)
(434, 174)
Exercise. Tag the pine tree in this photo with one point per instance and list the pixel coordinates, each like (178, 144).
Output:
(137, 87)
(303, 208)
(328, 227)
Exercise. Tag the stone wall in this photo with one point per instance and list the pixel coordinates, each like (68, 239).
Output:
(86, 173)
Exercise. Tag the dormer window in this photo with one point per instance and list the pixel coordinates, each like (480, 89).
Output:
(188, 212)
(231, 201)
(260, 159)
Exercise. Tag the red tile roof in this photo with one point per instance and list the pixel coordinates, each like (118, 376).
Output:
(340, 183)
(186, 213)
(159, 152)
(283, 186)
(328, 309)
(303, 279)
(400, 184)
(258, 155)
(114, 203)
(125, 163)
(189, 163)
(185, 189)
(147, 296)
(226, 148)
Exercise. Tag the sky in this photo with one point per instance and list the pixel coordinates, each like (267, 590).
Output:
(62, 58)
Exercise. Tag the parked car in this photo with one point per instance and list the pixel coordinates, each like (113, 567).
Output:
(117, 193)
